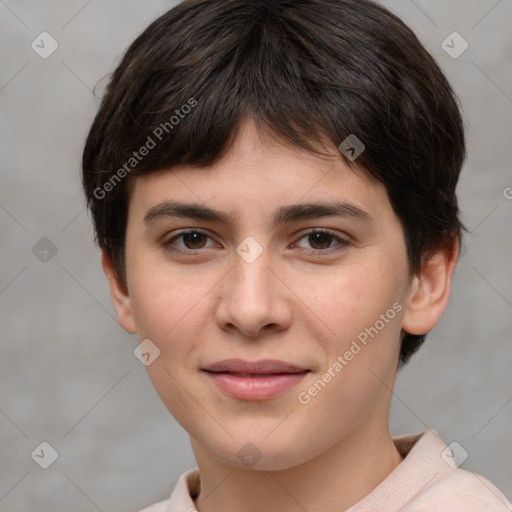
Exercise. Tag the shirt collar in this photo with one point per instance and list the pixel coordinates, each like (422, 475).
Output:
(422, 464)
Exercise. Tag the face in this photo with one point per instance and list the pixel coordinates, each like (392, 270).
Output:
(326, 293)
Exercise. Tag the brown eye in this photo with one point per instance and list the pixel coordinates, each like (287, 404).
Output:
(319, 240)
(192, 241)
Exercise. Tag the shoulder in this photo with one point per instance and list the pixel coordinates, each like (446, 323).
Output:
(161, 506)
(461, 491)
(181, 499)
(428, 480)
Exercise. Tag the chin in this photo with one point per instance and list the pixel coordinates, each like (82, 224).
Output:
(265, 454)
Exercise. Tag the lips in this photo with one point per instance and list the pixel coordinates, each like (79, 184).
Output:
(262, 367)
(260, 380)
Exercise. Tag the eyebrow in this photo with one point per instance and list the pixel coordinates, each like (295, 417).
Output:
(288, 213)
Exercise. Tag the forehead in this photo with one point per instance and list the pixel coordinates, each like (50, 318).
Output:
(258, 174)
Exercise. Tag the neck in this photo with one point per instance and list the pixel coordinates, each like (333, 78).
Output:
(334, 480)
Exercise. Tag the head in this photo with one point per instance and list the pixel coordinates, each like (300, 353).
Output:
(240, 107)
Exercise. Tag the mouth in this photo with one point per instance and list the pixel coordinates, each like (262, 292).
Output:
(260, 380)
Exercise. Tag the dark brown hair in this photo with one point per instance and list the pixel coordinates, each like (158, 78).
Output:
(306, 71)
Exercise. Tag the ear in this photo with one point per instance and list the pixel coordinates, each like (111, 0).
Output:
(430, 290)
(120, 295)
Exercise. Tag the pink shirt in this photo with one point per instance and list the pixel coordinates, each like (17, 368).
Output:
(423, 482)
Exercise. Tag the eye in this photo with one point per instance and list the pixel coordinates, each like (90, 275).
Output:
(192, 240)
(321, 239)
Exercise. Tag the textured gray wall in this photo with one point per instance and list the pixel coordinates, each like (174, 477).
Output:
(68, 373)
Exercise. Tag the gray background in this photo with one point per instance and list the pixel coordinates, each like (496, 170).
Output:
(67, 369)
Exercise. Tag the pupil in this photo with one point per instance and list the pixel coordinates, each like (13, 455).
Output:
(194, 236)
(318, 238)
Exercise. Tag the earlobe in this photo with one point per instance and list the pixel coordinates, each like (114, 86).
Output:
(430, 290)
(119, 293)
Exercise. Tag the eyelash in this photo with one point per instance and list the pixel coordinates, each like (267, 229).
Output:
(342, 242)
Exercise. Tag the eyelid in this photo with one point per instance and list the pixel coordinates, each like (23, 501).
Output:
(343, 242)
(179, 234)
(334, 234)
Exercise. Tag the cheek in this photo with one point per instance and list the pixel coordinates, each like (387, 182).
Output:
(165, 299)
(362, 307)
(359, 359)
(170, 308)
(348, 300)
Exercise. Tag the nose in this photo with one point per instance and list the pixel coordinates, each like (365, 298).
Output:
(254, 300)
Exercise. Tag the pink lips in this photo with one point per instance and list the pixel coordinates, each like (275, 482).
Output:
(257, 380)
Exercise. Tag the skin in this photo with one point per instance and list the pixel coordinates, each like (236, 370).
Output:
(302, 301)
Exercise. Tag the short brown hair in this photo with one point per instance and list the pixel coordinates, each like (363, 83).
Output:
(304, 70)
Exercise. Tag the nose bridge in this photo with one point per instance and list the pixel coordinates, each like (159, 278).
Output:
(250, 276)
(250, 298)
